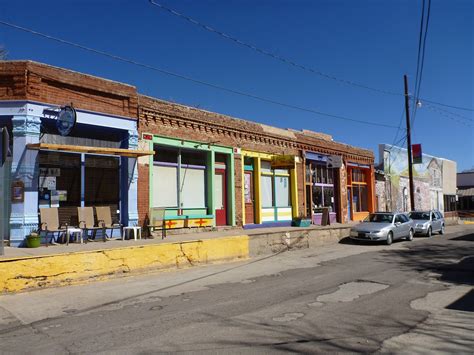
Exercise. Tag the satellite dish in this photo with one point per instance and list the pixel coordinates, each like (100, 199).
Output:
(66, 120)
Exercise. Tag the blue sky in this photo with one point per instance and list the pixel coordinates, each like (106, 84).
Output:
(371, 42)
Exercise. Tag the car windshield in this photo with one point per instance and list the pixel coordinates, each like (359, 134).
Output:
(380, 218)
(420, 215)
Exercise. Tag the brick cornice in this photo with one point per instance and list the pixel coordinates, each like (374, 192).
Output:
(170, 114)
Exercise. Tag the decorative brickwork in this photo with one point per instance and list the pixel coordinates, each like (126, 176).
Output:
(27, 80)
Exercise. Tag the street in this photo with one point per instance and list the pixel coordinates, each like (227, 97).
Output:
(408, 297)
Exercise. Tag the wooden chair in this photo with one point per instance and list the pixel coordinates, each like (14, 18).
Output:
(50, 223)
(86, 221)
(104, 220)
(157, 220)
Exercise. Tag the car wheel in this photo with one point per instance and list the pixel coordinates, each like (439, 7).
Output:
(389, 238)
(428, 234)
(442, 230)
(410, 235)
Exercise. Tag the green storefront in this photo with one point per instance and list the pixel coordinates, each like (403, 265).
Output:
(193, 181)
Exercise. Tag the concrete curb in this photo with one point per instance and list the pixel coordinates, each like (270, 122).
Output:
(21, 274)
(35, 272)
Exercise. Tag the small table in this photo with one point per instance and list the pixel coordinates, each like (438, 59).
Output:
(136, 230)
(72, 231)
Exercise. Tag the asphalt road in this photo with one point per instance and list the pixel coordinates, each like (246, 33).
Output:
(408, 297)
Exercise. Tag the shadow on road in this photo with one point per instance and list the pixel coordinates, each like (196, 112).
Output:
(465, 303)
(452, 260)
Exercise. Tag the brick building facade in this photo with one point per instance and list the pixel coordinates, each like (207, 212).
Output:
(289, 169)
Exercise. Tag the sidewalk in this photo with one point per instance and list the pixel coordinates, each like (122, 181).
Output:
(23, 269)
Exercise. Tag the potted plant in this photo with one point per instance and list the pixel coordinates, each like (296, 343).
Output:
(301, 221)
(33, 240)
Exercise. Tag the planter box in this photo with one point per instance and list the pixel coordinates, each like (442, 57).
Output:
(301, 222)
(33, 242)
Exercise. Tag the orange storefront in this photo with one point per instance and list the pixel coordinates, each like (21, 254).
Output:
(360, 191)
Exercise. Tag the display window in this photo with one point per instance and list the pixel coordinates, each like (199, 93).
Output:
(179, 178)
(275, 186)
(64, 184)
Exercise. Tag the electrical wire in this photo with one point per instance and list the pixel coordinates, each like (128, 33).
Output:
(446, 105)
(420, 42)
(449, 112)
(286, 60)
(197, 81)
(268, 53)
(421, 59)
(435, 109)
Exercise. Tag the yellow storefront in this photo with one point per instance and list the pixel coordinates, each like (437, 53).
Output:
(269, 191)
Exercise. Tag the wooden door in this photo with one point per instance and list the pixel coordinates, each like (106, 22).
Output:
(220, 189)
(249, 197)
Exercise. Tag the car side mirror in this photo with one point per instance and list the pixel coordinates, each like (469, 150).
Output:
(398, 224)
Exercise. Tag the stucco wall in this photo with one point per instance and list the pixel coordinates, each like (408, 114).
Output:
(449, 177)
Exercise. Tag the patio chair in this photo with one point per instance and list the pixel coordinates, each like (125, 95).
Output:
(104, 220)
(50, 223)
(157, 220)
(86, 221)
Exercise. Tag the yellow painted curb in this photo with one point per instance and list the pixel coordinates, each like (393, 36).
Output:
(19, 274)
(468, 222)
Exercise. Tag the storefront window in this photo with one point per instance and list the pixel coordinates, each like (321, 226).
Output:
(185, 188)
(275, 186)
(309, 173)
(323, 188)
(102, 184)
(59, 183)
(329, 198)
(359, 198)
(282, 191)
(318, 196)
(449, 203)
(266, 184)
(165, 194)
(323, 196)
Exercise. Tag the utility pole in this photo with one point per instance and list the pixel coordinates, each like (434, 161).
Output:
(410, 160)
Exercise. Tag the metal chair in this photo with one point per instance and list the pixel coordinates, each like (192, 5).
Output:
(86, 221)
(104, 220)
(50, 223)
(157, 220)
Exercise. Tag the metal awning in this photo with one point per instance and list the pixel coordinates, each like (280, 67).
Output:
(130, 153)
(466, 192)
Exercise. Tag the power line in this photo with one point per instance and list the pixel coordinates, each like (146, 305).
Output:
(420, 42)
(399, 126)
(268, 53)
(446, 105)
(286, 60)
(197, 81)
(421, 59)
(449, 112)
(435, 109)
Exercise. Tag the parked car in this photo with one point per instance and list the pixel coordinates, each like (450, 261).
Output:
(428, 222)
(384, 226)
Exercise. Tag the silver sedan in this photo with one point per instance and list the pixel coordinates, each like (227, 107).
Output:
(383, 226)
(428, 222)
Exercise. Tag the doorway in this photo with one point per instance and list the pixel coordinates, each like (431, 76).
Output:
(249, 198)
(220, 189)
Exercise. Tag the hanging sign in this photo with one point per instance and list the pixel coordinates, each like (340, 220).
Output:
(334, 161)
(417, 154)
(283, 161)
(66, 120)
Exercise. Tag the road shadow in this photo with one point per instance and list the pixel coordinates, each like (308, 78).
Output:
(465, 303)
(452, 259)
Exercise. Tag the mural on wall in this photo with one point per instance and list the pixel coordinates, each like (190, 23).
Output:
(427, 180)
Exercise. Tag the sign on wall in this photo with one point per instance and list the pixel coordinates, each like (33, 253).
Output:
(417, 153)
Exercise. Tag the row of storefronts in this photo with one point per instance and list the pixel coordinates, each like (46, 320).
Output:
(130, 152)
